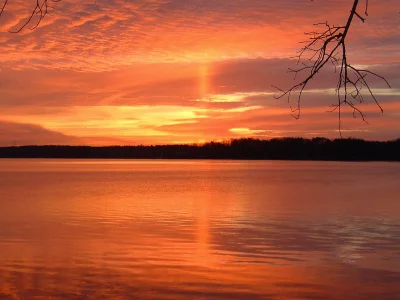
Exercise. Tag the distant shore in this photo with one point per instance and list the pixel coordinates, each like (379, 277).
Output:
(247, 148)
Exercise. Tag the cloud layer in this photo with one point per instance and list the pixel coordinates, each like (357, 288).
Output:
(160, 71)
(99, 35)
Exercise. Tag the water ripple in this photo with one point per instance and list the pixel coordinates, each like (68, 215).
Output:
(199, 230)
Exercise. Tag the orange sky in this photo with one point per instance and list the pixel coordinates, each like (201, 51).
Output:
(170, 71)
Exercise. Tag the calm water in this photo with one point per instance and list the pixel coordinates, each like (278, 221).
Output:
(81, 229)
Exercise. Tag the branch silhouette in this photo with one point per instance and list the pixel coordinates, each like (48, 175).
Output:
(41, 9)
(328, 46)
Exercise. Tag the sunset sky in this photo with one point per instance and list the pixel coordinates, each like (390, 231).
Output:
(171, 71)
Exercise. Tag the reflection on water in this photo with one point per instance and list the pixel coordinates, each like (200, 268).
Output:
(91, 229)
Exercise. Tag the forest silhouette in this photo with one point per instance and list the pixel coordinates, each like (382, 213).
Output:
(247, 148)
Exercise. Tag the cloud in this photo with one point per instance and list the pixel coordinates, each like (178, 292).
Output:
(29, 134)
(184, 102)
(184, 84)
(106, 35)
(183, 70)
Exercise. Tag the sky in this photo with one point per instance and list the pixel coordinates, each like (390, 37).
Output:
(115, 72)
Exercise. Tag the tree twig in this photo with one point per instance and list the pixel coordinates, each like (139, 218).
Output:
(41, 9)
(329, 45)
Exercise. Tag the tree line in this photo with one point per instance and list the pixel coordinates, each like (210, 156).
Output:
(246, 148)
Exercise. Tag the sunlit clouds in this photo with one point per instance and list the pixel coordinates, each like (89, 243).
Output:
(172, 71)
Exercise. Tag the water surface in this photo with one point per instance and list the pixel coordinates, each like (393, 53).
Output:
(143, 229)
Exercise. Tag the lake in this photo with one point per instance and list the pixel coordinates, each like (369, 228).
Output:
(186, 229)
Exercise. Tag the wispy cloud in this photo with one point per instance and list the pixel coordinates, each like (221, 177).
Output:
(104, 35)
(29, 134)
(182, 70)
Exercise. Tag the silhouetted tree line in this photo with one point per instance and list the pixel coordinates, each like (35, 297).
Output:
(246, 148)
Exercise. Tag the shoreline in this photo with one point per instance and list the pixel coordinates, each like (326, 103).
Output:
(288, 149)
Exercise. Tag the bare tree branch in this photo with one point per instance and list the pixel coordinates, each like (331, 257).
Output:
(3, 7)
(328, 45)
(41, 9)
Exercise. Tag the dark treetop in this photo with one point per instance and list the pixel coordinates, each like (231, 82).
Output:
(280, 149)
